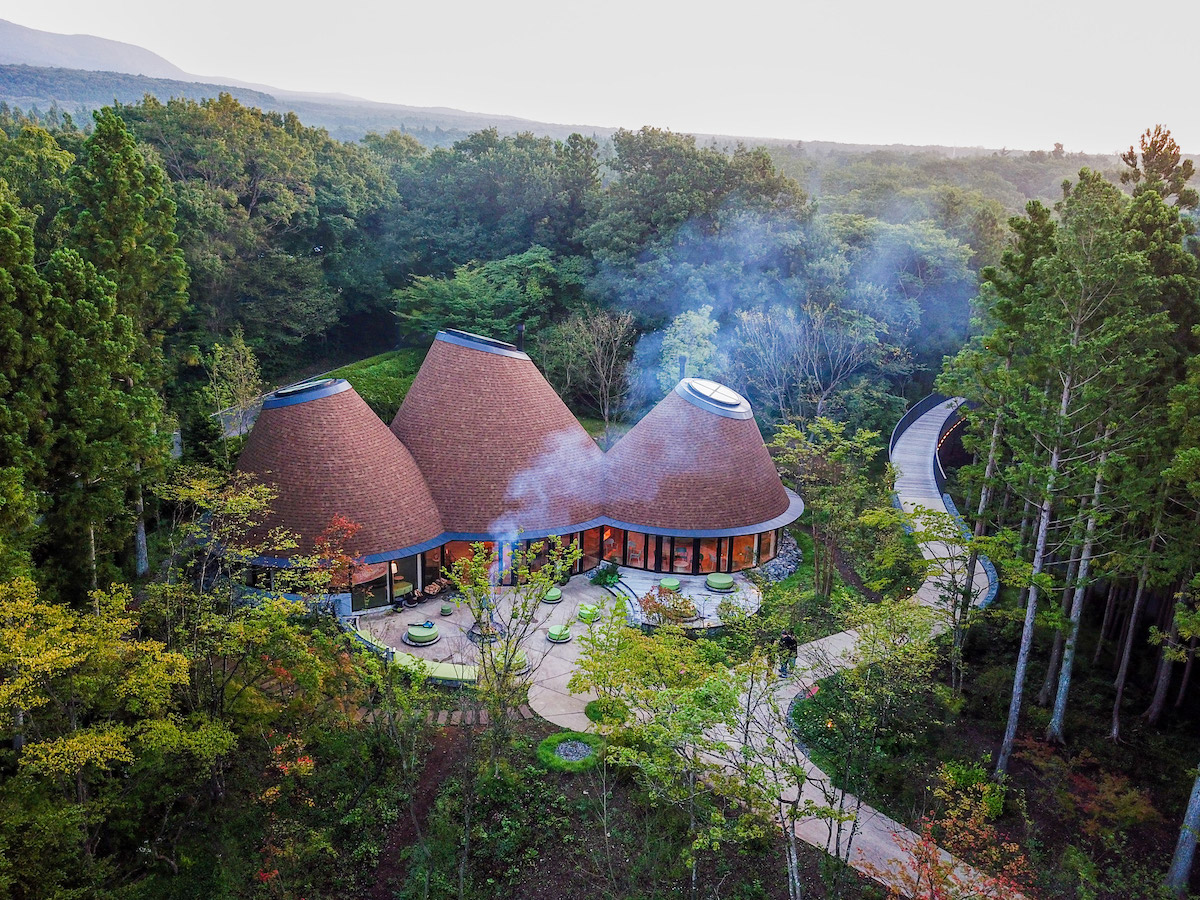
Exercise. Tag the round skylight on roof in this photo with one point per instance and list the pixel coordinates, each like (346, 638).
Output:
(714, 397)
(305, 391)
(479, 342)
(304, 387)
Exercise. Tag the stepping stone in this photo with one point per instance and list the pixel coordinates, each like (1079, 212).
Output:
(524, 711)
(469, 717)
(483, 717)
(455, 717)
(443, 717)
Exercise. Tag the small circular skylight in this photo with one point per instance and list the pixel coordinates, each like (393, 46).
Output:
(714, 397)
(304, 387)
(716, 393)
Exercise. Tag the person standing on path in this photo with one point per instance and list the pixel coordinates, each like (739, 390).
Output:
(787, 652)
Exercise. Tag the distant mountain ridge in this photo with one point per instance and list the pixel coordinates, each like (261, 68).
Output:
(74, 71)
(29, 46)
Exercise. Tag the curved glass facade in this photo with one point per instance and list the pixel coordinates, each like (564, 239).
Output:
(384, 583)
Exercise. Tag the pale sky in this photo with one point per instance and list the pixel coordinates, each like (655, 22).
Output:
(1021, 74)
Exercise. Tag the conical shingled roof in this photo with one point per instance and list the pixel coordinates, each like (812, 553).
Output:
(696, 462)
(327, 453)
(500, 450)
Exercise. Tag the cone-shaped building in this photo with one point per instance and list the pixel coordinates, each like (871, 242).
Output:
(484, 450)
(502, 453)
(326, 453)
(695, 471)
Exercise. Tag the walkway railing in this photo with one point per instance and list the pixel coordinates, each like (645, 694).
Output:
(984, 563)
(919, 409)
(915, 412)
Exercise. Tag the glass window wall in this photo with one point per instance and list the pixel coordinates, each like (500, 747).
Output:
(635, 550)
(432, 564)
(369, 587)
(768, 545)
(404, 577)
(682, 564)
(613, 551)
(592, 541)
(708, 555)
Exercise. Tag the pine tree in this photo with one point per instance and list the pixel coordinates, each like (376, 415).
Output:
(124, 224)
(26, 382)
(103, 419)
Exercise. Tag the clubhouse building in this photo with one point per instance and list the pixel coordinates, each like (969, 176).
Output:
(484, 450)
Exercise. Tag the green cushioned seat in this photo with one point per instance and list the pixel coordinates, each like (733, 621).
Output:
(452, 674)
(559, 634)
(447, 609)
(552, 596)
(719, 581)
(422, 634)
(588, 613)
(400, 588)
(669, 584)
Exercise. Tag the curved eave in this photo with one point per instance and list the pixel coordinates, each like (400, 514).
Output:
(794, 510)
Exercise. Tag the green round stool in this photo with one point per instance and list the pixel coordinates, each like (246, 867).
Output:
(720, 582)
(669, 584)
(421, 635)
(552, 596)
(588, 613)
(447, 609)
(559, 634)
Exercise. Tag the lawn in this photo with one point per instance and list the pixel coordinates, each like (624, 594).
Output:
(383, 380)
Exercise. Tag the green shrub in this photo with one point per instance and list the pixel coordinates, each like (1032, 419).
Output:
(548, 756)
(606, 711)
(963, 777)
(606, 576)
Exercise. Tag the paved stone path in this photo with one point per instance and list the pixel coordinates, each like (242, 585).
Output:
(878, 846)
(879, 842)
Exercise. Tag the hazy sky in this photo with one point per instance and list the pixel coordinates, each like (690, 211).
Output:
(1021, 74)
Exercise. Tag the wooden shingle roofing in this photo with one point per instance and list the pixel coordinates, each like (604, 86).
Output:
(501, 452)
(483, 449)
(691, 465)
(326, 453)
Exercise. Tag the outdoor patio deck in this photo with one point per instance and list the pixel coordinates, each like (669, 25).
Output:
(745, 594)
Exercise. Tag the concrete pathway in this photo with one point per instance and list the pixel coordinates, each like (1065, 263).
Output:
(879, 843)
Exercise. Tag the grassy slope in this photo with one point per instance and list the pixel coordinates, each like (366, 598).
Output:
(383, 380)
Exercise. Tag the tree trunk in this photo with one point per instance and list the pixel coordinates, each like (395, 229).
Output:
(142, 565)
(92, 553)
(1185, 849)
(1039, 556)
(1109, 604)
(1162, 678)
(985, 497)
(1043, 697)
(1187, 673)
(1014, 707)
(1130, 632)
(1055, 730)
(1123, 630)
